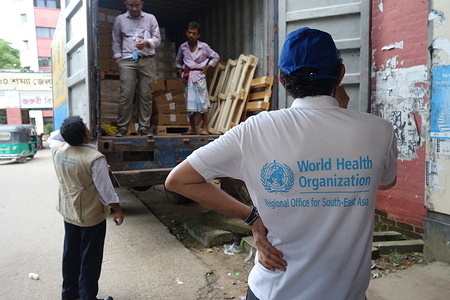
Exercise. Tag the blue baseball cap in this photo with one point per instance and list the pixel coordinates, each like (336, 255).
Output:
(311, 48)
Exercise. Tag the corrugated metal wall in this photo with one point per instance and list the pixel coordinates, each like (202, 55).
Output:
(235, 27)
(348, 23)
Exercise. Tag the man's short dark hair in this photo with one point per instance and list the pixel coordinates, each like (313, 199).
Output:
(73, 130)
(304, 86)
(194, 25)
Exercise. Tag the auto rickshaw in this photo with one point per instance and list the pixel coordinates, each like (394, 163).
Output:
(18, 142)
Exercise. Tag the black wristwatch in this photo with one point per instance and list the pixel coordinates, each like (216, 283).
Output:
(253, 216)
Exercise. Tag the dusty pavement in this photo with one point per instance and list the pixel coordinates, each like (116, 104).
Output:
(142, 260)
(424, 281)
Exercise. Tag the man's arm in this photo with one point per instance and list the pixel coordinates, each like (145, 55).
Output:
(55, 138)
(116, 41)
(185, 180)
(154, 40)
(105, 188)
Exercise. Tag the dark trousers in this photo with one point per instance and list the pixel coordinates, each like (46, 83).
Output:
(82, 260)
(250, 295)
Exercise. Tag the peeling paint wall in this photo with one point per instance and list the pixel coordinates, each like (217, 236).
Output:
(400, 84)
(438, 152)
(399, 98)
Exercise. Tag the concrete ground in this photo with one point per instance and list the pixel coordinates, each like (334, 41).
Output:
(142, 260)
(419, 282)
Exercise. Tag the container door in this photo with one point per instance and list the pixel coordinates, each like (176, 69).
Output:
(348, 22)
(73, 57)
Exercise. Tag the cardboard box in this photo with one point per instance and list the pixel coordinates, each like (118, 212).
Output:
(110, 100)
(104, 65)
(169, 108)
(159, 85)
(179, 98)
(171, 120)
(175, 85)
(104, 39)
(163, 97)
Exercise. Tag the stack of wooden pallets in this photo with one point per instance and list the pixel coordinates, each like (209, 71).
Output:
(229, 95)
(229, 92)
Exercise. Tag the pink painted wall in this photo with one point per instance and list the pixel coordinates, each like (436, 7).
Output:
(44, 47)
(13, 116)
(406, 21)
(45, 17)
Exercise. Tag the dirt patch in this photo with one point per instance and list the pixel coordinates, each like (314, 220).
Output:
(394, 262)
(228, 279)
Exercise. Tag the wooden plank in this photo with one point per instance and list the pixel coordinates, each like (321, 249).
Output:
(241, 94)
(232, 65)
(110, 75)
(224, 86)
(168, 130)
(258, 100)
(216, 82)
(257, 106)
(223, 122)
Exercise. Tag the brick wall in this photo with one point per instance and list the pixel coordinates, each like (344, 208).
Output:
(400, 57)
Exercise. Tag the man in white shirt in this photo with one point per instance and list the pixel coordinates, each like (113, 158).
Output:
(312, 172)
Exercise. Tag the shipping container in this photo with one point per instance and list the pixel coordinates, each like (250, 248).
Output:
(80, 52)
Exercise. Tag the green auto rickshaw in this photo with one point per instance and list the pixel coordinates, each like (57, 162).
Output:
(18, 142)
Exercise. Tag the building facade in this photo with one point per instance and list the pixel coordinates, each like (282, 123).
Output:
(37, 21)
(26, 97)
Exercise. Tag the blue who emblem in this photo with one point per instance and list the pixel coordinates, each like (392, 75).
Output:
(277, 177)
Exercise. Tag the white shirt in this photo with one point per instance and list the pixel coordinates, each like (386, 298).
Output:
(99, 172)
(312, 171)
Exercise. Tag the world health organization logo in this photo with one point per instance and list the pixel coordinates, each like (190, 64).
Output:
(277, 178)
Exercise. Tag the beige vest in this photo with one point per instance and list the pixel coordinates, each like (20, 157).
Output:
(79, 201)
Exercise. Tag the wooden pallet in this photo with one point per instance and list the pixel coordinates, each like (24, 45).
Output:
(259, 95)
(217, 81)
(168, 130)
(233, 87)
(222, 91)
(240, 96)
(110, 75)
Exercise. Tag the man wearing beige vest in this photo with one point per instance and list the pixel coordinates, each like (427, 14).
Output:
(86, 196)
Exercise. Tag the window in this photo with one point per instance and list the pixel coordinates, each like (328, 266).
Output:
(3, 119)
(23, 17)
(47, 3)
(44, 32)
(45, 62)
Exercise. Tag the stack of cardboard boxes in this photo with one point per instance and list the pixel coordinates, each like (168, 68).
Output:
(110, 96)
(169, 107)
(105, 25)
(165, 58)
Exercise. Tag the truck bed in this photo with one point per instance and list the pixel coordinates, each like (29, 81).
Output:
(137, 161)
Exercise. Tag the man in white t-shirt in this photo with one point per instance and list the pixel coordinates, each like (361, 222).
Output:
(312, 171)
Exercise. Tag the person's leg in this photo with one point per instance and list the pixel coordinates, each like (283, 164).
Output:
(71, 262)
(128, 76)
(193, 129)
(146, 76)
(92, 244)
(205, 123)
(250, 295)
